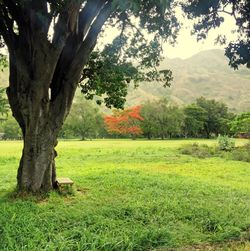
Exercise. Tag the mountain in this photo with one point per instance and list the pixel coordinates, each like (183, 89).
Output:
(204, 74)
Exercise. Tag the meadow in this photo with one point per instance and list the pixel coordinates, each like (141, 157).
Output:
(129, 195)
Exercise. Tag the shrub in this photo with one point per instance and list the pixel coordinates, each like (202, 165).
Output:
(242, 153)
(225, 143)
(199, 151)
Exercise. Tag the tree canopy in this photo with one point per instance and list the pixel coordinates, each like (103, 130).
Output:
(124, 122)
(241, 123)
(71, 28)
(194, 122)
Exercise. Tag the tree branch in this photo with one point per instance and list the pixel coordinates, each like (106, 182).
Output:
(69, 80)
(15, 11)
(66, 24)
(87, 15)
(6, 27)
(39, 16)
(91, 37)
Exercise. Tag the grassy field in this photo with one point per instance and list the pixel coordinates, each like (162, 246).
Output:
(130, 195)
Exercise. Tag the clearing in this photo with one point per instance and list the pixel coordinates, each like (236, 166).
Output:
(130, 195)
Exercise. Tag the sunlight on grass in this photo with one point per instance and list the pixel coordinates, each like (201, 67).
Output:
(130, 195)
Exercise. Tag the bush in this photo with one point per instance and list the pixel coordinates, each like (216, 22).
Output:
(242, 153)
(199, 151)
(225, 143)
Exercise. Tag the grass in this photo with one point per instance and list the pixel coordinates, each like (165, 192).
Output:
(130, 195)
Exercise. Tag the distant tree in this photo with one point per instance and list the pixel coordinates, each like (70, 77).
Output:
(168, 119)
(3, 101)
(4, 108)
(3, 58)
(83, 121)
(241, 124)
(195, 118)
(11, 129)
(125, 122)
(217, 117)
(149, 114)
(161, 119)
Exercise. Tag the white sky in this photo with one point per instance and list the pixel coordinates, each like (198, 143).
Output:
(187, 45)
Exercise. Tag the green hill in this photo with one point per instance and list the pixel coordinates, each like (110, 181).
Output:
(204, 74)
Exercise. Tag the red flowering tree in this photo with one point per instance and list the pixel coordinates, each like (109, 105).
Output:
(125, 122)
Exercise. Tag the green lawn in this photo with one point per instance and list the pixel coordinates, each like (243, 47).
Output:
(131, 195)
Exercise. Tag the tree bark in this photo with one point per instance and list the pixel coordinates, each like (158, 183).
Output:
(40, 119)
(36, 170)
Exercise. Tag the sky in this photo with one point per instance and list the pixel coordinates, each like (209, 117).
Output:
(187, 45)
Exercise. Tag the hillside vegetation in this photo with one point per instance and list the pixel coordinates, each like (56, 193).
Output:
(204, 74)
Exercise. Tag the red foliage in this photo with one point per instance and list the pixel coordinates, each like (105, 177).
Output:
(125, 122)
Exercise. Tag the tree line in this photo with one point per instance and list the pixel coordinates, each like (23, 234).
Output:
(202, 119)
(205, 118)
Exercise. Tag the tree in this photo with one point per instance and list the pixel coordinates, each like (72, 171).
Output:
(51, 45)
(217, 117)
(209, 15)
(169, 119)
(161, 119)
(148, 125)
(83, 121)
(3, 101)
(241, 124)
(4, 108)
(125, 122)
(195, 118)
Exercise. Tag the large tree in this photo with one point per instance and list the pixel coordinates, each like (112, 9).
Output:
(50, 45)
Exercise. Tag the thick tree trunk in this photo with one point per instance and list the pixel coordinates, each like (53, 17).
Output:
(40, 119)
(37, 166)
